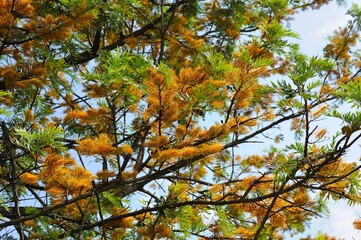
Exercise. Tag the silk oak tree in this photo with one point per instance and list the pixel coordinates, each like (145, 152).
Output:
(173, 119)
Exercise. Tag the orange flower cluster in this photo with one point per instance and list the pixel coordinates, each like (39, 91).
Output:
(63, 177)
(100, 145)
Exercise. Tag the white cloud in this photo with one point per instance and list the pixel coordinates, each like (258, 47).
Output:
(340, 221)
(338, 224)
(315, 26)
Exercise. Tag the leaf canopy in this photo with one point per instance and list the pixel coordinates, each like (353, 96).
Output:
(173, 119)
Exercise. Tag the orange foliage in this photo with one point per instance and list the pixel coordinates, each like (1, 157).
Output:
(100, 145)
(62, 176)
(29, 178)
(357, 224)
(105, 174)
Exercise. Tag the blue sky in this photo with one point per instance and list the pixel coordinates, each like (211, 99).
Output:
(313, 28)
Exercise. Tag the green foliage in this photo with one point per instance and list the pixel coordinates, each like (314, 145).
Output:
(354, 187)
(191, 9)
(226, 227)
(351, 92)
(51, 233)
(219, 66)
(31, 210)
(189, 220)
(36, 141)
(3, 96)
(321, 205)
(321, 236)
(352, 119)
(283, 87)
(284, 167)
(119, 67)
(355, 12)
(275, 34)
(308, 68)
(298, 147)
(166, 72)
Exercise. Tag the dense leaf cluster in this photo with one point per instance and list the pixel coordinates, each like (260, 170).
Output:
(149, 119)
